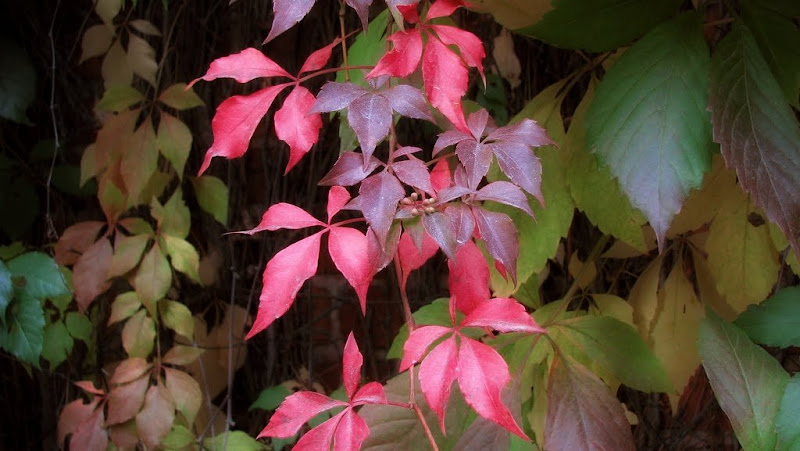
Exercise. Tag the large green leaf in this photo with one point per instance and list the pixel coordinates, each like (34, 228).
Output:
(612, 348)
(582, 413)
(43, 279)
(600, 25)
(649, 123)
(776, 321)
(594, 189)
(756, 128)
(786, 423)
(24, 333)
(17, 82)
(57, 344)
(779, 40)
(747, 381)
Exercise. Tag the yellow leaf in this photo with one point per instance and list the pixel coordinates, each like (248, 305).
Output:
(583, 273)
(108, 10)
(140, 160)
(153, 278)
(513, 14)
(115, 69)
(506, 58)
(702, 205)
(145, 27)
(613, 306)
(184, 256)
(644, 298)
(142, 59)
(96, 41)
(138, 335)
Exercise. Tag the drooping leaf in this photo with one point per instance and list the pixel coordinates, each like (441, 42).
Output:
(138, 335)
(244, 66)
(212, 195)
(24, 331)
(286, 14)
(500, 235)
(612, 348)
(284, 275)
(174, 140)
(757, 130)
(747, 381)
(436, 376)
(603, 25)
(348, 250)
(295, 126)
(154, 276)
(786, 420)
(582, 413)
(648, 121)
(236, 121)
(776, 321)
(17, 82)
(446, 78)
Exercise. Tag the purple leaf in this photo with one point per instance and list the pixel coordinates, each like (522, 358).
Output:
(370, 116)
(349, 169)
(414, 173)
(362, 9)
(452, 192)
(526, 131)
(505, 193)
(287, 13)
(408, 101)
(463, 222)
(378, 198)
(438, 226)
(447, 139)
(500, 235)
(381, 254)
(477, 123)
(476, 159)
(406, 150)
(336, 96)
(521, 165)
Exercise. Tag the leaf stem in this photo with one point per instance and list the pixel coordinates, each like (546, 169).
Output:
(331, 70)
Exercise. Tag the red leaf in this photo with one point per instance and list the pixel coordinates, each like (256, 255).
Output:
(469, 278)
(408, 101)
(287, 13)
(295, 126)
(371, 393)
(443, 8)
(295, 411)
(236, 121)
(482, 374)
(284, 275)
(505, 193)
(362, 9)
(370, 116)
(411, 257)
(336, 96)
(337, 198)
(436, 376)
(351, 366)
(244, 66)
(378, 197)
(502, 314)
(90, 273)
(124, 401)
(320, 437)
(348, 249)
(500, 235)
(468, 44)
(349, 169)
(284, 216)
(319, 58)
(88, 387)
(440, 228)
(418, 342)
(73, 415)
(414, 172)
(75, 240)
(440, 175)
(463, 222)
(351, 432)
(446, 80)
(90, 435)
(403, 58)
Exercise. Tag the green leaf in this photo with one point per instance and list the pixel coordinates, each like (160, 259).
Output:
(128, 252)
(786, 423)
(594, 189)
(43, 279)
(777, 37)
(270, 398)
(435, 313)
(612, 348)
(776, 322)
(757, 130)
(57, 344)
(138, 335)
(741, 256)
(17, 82)
(600, 25)
(212, 195)
(12, 250)
(174, 139)
(180, 98)
(79, 326)
(6, 290)
(174, 218)
(539, 238)
(366, 50)
(119, 98)
(235, 440)
(747, 381)
(648, 121)
(153, 278)
(124, 306)
(178, 438)
(184, 256)
(177, 317)
(139, 161)
(24, 333)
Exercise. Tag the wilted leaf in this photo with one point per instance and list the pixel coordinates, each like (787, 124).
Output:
(747, 381)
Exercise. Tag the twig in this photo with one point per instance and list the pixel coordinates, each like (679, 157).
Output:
(51, 228)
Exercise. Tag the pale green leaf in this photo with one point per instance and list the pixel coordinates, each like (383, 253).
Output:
(366, 50)
(116, 70)
(174, 139)
(153, 278)
(119, 98)
(177, 317)
(95, 42)
(139, 161)
(124, 306)
(57, 344)
(178, 438)
(649, 123)
(128, 252)
(235, 440)
(180, 98)
(183, 256)
(786, 423)
(747, 381)
(142, 58)
(776, 321)
(138, 335)
(212, 195)
(174, 218)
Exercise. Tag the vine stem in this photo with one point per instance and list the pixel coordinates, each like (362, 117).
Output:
(51, 228)
(332, 70)
(342, 31)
